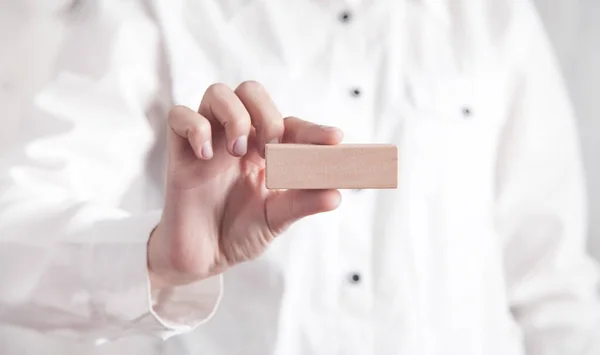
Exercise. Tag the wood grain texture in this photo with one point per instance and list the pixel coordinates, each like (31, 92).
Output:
(344, 166)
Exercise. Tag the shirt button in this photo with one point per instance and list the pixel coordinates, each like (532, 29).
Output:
(466, 111)
(355, 92)
(345, 16)
(355, 278)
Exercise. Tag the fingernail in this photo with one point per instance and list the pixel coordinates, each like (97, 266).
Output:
(207, 151)
(241, 145)
(329, 128)
(274, 141)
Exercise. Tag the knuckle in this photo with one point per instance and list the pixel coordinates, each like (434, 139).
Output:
(177, 112)
(273, 130)
(193, 132)
(217, 91)
(204, 128)
(237, 125)
(250, 87)
(201, 127)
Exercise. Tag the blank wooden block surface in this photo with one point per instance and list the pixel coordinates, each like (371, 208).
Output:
(344, 166)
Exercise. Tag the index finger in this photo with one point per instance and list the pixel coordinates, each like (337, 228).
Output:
(264, 115)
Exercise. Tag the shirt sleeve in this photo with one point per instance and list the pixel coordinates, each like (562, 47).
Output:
(73, 257)
(552, 281)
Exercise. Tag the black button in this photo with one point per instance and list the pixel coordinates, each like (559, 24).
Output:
(466, 111)
(355, 278)
(345, 16)
(355, 92)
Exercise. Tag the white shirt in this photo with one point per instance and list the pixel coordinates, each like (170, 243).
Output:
(480, 249)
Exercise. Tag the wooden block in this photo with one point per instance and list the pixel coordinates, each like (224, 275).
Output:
(344, 166)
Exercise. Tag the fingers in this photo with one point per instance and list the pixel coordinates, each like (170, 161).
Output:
(236, 112)
(192, 129)
(303, 132)
(265, 116)
(221, 105)
(287, 207)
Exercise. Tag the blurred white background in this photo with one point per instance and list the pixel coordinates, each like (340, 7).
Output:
(30, 32)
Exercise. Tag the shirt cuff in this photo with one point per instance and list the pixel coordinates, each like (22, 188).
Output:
(129, 297)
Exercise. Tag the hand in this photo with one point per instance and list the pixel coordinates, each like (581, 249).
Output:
(217, 210)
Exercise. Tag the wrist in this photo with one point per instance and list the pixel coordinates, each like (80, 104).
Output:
(157, 281)
(161, 272)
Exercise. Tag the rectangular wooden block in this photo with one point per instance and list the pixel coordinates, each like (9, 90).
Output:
(344, 166)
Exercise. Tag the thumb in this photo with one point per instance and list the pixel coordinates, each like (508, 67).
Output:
(286, 207)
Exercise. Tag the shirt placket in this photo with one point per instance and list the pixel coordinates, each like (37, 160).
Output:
(353, 82)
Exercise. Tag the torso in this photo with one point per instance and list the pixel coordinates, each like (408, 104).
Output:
(428, 255)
